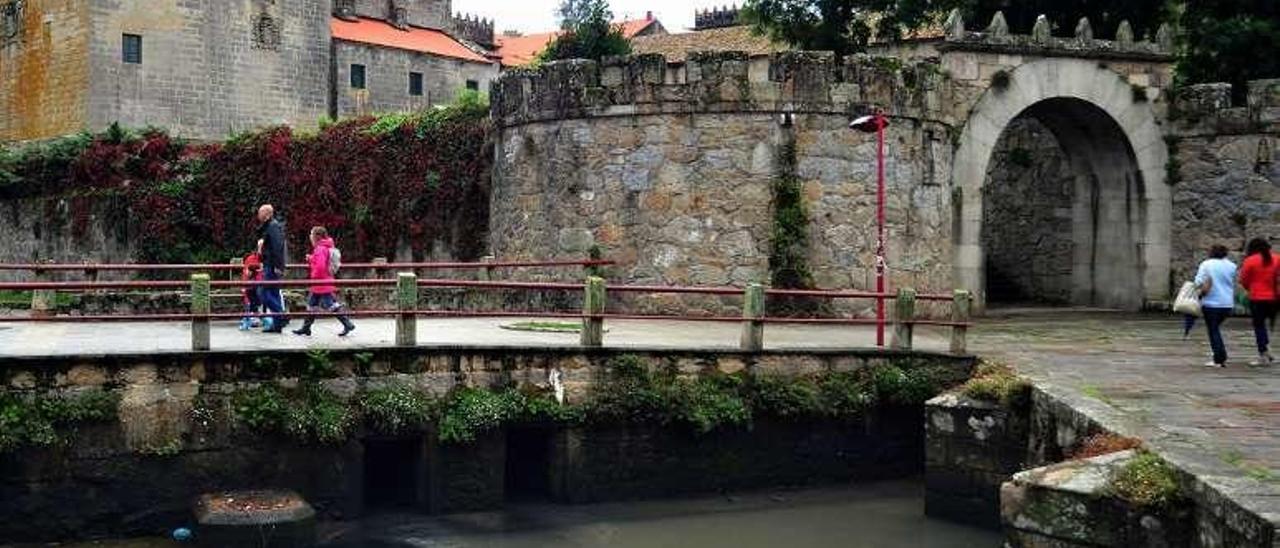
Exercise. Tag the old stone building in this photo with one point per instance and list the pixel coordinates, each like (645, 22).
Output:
(206, 69)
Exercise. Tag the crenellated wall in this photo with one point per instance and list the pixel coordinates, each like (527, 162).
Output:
(1227, 185)
(670, 168)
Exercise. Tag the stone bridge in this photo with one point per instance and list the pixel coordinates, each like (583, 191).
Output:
(670, 167)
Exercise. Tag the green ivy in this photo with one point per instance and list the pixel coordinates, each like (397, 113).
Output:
(470, 412)
(43, 420)
(309, 414)
(397, 409)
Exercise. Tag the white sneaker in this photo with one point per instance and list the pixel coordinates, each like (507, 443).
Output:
(1215, 365)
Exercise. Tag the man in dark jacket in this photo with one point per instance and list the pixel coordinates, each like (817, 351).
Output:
(275, 258)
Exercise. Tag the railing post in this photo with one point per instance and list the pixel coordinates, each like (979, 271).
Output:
(904, 319)
(592, 307)
(234, 273)
(752, 312)
(407, 303)
(961, 311)
(376, 271)
(43, 301)
(200, 309)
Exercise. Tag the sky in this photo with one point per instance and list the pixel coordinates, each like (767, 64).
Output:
(539, 15)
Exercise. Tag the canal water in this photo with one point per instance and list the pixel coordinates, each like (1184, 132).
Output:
(877, 515)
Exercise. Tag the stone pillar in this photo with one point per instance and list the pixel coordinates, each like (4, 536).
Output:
(592, 307)
(200, 309)
(407, 303)
(961, 312)
(752, 311)
(904, 318)
(43, 301)
(234, 273)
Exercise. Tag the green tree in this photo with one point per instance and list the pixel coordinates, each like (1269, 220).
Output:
(587, 32)
(847, 26)
(1230, 41)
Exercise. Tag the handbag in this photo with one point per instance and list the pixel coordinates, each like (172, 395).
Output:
(1188, 300)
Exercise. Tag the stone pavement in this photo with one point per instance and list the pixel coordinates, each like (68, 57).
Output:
(82, 339)
(1135, 375)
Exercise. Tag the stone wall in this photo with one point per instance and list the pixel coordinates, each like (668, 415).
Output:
(387, 78)
(177, 435)
(1028, 203)
(44, 69)
(674, 180)
(210, 69)
(46, 230)
(434, 14)
(1227, 184)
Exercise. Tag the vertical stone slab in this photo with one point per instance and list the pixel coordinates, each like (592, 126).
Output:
(407, 303)
(43, 301)
(200, 312)
(752, 312)
(904, 319)
(592, 307)
(961, 312)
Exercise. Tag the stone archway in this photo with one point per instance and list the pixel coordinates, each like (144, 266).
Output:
(1120, 207)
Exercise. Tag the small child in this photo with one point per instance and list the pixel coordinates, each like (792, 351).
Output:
(252, 271)
(323, 297)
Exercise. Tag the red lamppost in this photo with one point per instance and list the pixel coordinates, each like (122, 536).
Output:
(876, 123)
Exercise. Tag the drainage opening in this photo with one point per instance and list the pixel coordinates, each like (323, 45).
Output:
(528, 474)
(394, 473)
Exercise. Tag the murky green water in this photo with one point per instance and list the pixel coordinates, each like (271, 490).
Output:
(881, 515)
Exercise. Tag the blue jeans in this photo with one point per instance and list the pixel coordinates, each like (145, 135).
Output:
(1213, 319)
(272, 299)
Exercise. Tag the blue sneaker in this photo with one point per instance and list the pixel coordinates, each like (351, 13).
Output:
(244, 324)
(267, 324)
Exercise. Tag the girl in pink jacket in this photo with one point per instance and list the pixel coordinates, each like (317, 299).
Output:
(323, 296)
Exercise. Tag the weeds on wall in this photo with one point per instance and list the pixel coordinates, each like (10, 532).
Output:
(1147, 481)
(375, 182)
(789, 250)
(631, 393)
(31, 420)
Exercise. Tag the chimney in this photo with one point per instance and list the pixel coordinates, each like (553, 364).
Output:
(648, 16)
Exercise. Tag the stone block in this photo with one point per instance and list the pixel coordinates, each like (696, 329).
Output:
(239, 519)
(1070, 504)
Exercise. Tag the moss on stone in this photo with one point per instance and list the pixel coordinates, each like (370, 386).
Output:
(997, 383)
(1147, 481)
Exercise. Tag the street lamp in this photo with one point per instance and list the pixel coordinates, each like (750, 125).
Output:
(875, 123)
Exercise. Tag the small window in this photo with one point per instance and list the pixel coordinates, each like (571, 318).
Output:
(473, 85)
(415, 84)
(357, 76)
(132, 52)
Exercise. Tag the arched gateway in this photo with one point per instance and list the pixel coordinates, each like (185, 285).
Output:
(1093, 228)
(1120, 207)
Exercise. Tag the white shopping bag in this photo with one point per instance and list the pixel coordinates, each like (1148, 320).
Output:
(1188, 300)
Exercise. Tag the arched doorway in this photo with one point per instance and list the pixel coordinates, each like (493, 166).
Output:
(1060, 192)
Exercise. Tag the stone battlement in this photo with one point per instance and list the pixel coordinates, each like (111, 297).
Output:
(1209, 107)
(718, 82)
(996, 38)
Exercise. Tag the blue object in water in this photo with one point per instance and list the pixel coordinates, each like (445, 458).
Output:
(182, 534)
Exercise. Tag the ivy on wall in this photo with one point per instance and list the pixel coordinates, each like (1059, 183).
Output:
(377, 183)
(789, 239)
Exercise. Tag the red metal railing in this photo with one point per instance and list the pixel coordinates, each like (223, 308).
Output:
(903, 323)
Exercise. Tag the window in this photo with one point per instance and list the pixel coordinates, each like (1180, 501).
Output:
(415, 84)
(473, 85)
(357, 76)
(132, 52)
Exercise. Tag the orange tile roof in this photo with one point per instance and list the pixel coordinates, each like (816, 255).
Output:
(520, 50)
(380, 33)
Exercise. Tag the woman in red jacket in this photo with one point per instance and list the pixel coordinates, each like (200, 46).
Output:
(323, 297)
(1258, 276)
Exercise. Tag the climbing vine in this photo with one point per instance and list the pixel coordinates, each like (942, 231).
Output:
(789, 252)
(28, 420)
(378, 184)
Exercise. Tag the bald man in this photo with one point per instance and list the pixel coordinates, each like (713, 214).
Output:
(275, 257)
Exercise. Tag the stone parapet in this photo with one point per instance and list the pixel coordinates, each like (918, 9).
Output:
(1202, 109)
(996, 38)
(718, 82)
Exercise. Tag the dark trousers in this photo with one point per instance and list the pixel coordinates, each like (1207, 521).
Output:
(1213, 318)
(273, 299)
(324, 302)
(1260, 312)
